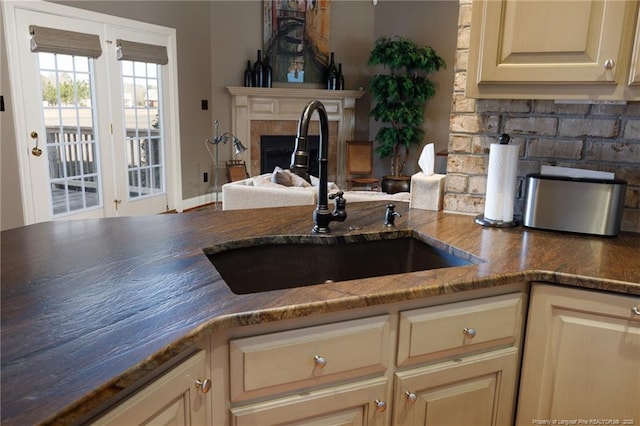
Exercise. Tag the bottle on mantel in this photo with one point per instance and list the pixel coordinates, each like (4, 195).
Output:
(268, 73)
(258, 71)
(332, 74)
(340, 78)
(248, 75)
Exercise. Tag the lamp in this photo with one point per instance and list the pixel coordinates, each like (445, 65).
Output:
(238, 148)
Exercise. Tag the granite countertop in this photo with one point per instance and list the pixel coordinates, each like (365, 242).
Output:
(91, 306)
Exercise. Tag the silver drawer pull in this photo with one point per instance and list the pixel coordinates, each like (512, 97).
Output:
(635, 310)
(470, 332)
(203, 384)
(381, 406)
(319, 362)
(410, 397)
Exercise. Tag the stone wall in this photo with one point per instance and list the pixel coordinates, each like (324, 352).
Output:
(589, 136)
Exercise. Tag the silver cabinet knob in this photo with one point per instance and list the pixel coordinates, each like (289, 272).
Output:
(381, 406)
(635, 310)
(319, 362)
(203, 384)
(470, 332)
(609, 64)
(410, 397)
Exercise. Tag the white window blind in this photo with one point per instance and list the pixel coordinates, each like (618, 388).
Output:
(52, 40)
(141, 52)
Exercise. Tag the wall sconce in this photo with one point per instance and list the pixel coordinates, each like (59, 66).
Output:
(238, 148)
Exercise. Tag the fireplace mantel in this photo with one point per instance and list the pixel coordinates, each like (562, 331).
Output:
(286, 104)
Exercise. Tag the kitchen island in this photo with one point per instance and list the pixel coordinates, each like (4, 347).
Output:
(92, 307)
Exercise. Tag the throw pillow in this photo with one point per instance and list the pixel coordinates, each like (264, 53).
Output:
(297, 180)
(281, 177)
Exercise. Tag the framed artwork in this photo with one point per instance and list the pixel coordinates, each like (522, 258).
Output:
(296, 39)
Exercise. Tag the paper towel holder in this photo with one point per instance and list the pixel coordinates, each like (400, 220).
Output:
(480, 219)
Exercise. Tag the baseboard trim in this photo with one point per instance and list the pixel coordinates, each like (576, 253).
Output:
(199, 201)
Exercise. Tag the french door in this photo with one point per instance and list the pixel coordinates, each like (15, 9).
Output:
(96, 131)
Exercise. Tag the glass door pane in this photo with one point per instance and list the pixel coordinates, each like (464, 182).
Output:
(66, 84)
(143, 128)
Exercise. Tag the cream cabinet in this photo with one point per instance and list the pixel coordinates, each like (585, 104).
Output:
(356, 403)
(465, 357)
(328, 373)
(554, 50)
(178, 397)
(634, 75)
(582, 357)
(474, 390)
(398, 364)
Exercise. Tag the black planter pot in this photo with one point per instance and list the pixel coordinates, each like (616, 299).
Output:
(395, 184)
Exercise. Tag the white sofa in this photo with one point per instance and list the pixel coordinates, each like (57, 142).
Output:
(261, 191)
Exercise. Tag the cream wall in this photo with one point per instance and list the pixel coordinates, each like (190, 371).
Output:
(215, 39)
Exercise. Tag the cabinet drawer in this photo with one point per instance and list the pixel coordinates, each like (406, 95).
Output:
(464, 327)
(283, 361)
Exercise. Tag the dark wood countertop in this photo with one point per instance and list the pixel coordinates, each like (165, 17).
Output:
(90, 306)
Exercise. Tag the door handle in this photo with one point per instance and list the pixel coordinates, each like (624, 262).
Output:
(36, 151)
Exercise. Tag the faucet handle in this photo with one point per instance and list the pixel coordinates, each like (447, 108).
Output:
(340, 201)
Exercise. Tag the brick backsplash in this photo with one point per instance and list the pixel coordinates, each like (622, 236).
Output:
(589, 136)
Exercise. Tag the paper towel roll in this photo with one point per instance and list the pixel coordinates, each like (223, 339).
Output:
(501, 182)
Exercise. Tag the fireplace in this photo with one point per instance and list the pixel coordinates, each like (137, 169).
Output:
(276, 150)
(258, 112)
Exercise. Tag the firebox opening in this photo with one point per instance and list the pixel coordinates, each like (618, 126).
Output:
(276, 150)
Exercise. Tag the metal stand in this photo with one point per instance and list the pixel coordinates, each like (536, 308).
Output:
(217, 140)
(481, 220)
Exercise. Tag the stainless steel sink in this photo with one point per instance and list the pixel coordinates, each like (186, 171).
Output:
(271, 263)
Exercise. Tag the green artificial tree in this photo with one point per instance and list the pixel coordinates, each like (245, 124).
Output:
(400, 95)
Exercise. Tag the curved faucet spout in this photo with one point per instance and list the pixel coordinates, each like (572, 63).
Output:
(300, 166)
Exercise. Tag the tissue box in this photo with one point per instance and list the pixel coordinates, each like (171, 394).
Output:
(427, 191)
(582, 205)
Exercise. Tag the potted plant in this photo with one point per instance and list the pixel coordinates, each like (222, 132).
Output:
(399, 98)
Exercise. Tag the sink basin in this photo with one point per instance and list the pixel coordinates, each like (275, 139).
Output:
(271, 263)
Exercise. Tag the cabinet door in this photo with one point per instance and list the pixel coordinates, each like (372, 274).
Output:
(477, 390)
(173, 399)
(550, 41)
(350, 404)
(581, 358)
(634, 74)
(578, 49)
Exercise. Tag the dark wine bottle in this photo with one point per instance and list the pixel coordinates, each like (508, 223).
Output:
(332, 74)
(268, 73)
(258, 71)
(248, 75)
(340, 78)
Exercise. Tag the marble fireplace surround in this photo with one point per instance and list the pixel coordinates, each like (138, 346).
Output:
(276, 111)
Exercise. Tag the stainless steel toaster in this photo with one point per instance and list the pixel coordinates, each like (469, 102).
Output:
(582, 205)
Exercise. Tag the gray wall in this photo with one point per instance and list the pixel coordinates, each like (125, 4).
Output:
(427, 23)
(215, 39)
(10, 200)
